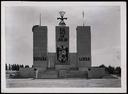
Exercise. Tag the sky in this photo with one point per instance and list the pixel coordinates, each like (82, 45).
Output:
(104, 22)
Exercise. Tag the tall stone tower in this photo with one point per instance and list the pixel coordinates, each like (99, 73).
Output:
(83, 46)
(40, 59)
(62, 44)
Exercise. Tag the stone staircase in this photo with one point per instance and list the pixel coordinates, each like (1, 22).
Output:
(77, 74)
(72, 74)
(50, 73)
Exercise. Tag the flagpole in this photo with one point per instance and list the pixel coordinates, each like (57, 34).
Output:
(40, 19)
(83, 18)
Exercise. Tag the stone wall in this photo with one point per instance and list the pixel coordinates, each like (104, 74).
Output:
(95, 72)
(26, 73)
(51, 60)
(84, 46)
(49, 74)
(72, 60)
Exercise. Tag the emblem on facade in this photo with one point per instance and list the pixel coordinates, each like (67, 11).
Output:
(62, 18)
(62, 54)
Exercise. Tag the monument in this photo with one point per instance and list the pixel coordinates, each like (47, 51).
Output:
(62, 64)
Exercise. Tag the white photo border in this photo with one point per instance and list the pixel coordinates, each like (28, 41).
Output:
(121, 89)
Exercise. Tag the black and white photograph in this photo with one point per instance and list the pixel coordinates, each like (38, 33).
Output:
(68, 47)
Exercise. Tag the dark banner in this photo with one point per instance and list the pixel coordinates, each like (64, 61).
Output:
(62, 55)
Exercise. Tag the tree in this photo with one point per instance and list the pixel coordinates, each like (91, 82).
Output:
(102, 66)
(26, 66)
(111, 69)
(9, 67)
(13, 67)
(6, 66)
(22, 66)
(118, 71)
(18, 67)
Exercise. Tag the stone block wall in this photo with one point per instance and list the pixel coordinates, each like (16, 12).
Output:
(95, 72)
(51, 60)
(72, 60)
(26, 73)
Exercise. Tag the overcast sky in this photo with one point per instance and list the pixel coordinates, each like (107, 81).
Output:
(104, 22)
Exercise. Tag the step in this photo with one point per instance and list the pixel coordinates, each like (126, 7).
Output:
(48, 74)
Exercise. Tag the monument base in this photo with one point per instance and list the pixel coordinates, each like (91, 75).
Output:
(48, 74)
(62, 71)
(62, 67)
(73, 74)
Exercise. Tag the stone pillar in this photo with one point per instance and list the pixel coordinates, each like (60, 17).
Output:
(83, 47)
(40, 58)
(62, 47)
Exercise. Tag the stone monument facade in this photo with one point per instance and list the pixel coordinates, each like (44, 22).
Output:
(62, 64)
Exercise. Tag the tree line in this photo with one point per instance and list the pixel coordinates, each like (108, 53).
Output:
(112, 70)
(15, 67)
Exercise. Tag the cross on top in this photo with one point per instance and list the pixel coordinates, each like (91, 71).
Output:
(62, 18)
